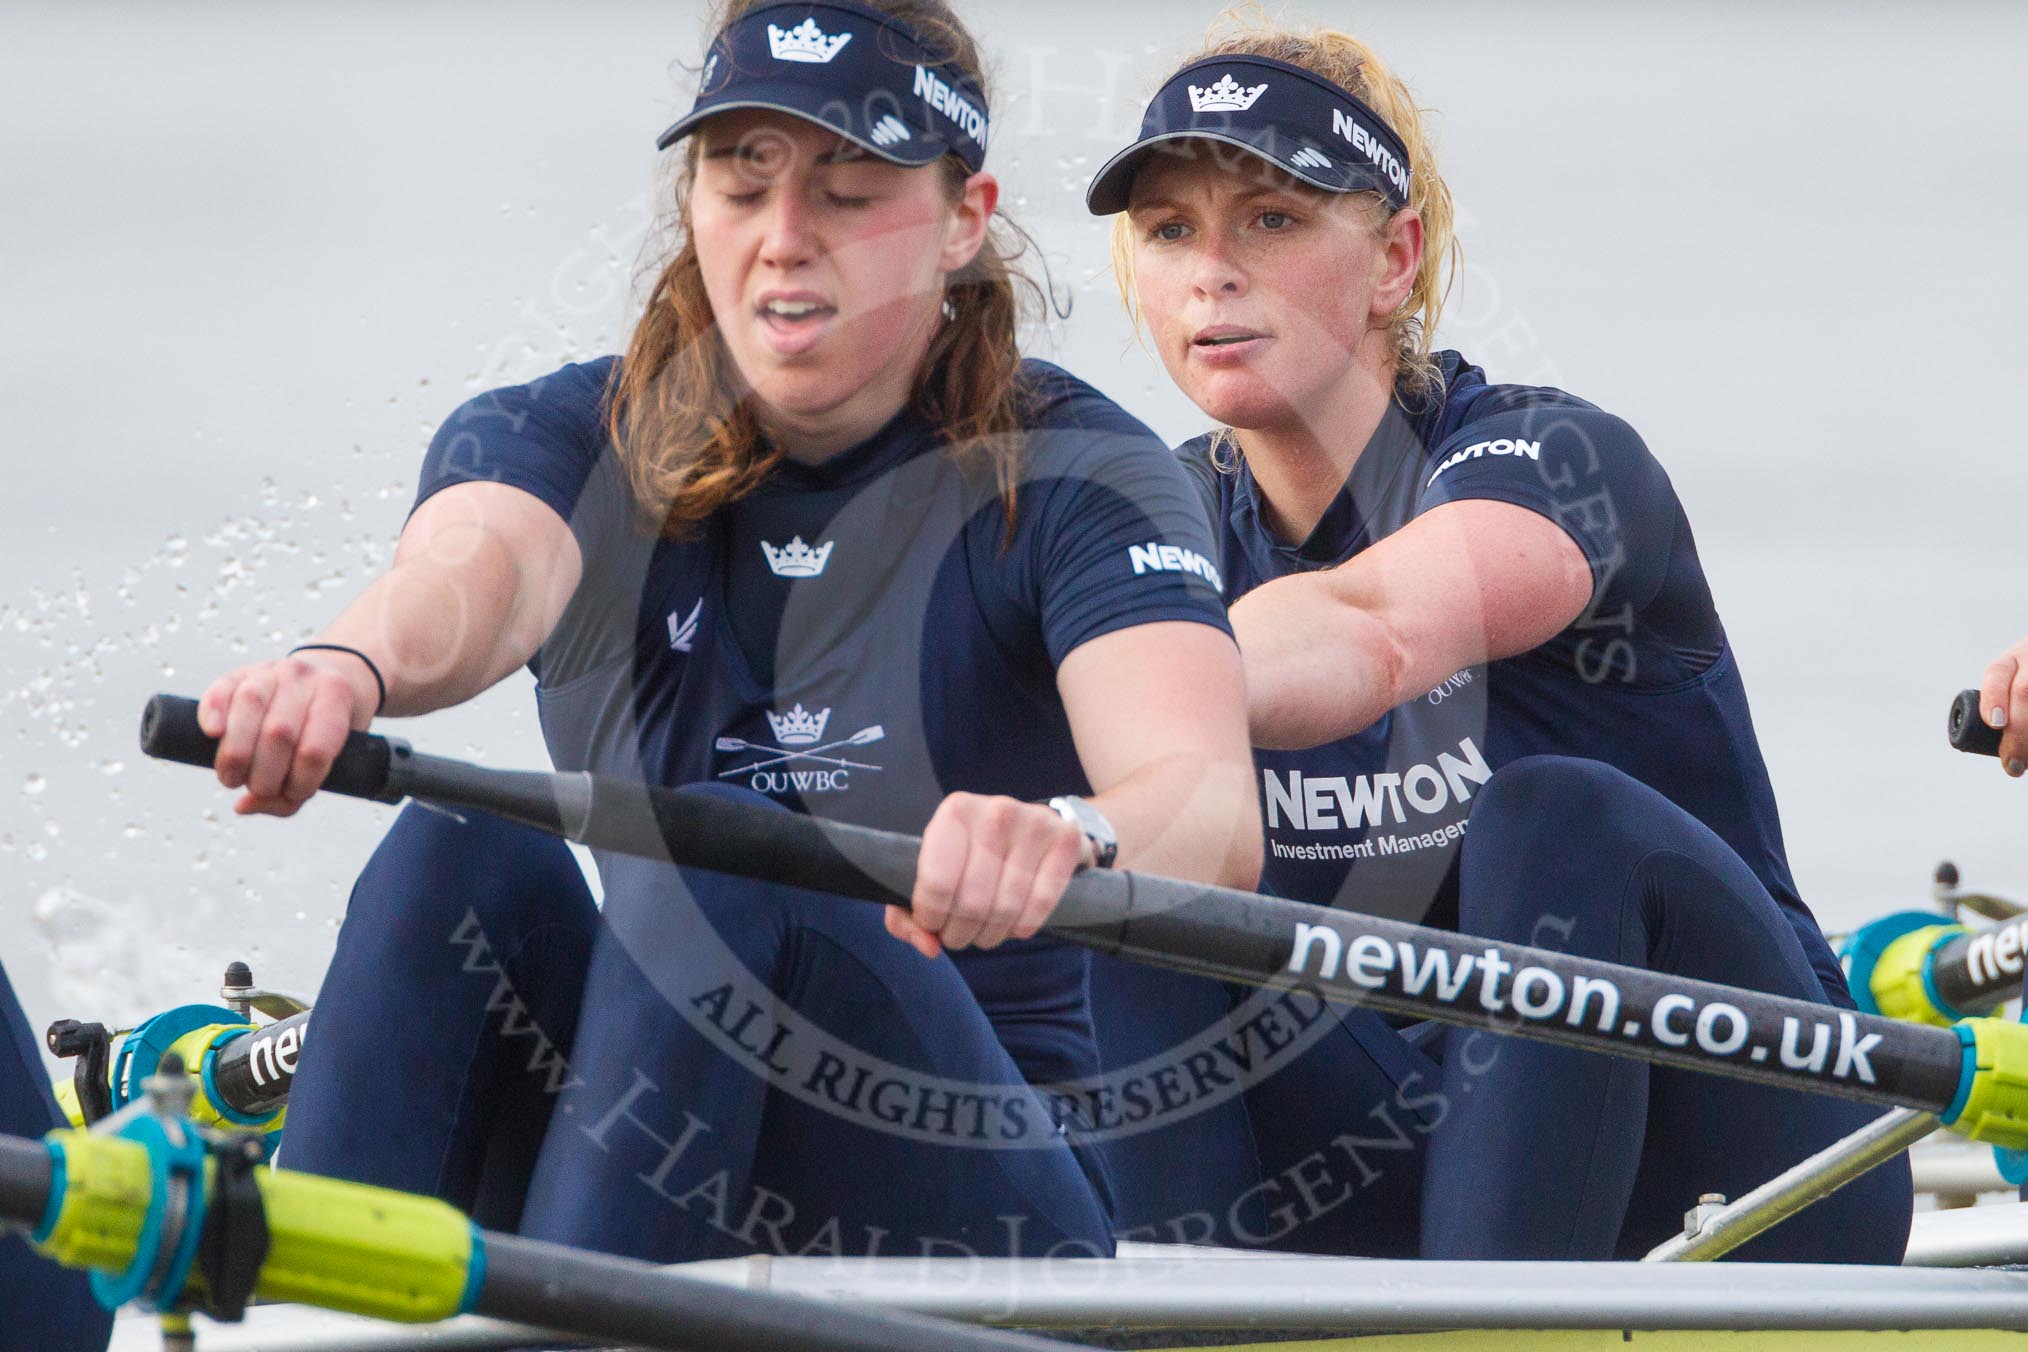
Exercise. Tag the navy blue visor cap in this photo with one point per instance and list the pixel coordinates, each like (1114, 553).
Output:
(1271, 111)
(849, 69)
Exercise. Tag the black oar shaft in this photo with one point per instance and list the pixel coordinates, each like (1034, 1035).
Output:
(1556, 997)
(707, 831)
(25, 1175)
(1390, 965)
(1225, 933)
(1974, 972)
(589, 1294)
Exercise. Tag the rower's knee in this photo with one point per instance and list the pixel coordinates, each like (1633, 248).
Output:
(1555, 795)
(435, 875)
(1552, 842)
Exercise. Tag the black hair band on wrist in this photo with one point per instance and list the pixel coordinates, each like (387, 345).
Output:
(378, 679)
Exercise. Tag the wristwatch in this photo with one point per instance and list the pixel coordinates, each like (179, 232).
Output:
(1105, 842)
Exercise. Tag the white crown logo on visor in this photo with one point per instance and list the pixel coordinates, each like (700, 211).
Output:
(799, 727)
(805, 42)
(1227, 96)
(889, 130)
(1311, 158)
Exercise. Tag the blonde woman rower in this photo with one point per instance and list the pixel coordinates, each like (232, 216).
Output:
(1488, 688)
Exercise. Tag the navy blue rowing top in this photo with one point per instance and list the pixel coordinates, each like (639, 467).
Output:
(859, 638)
(1644, 680)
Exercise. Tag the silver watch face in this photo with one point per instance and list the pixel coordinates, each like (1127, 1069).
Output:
(1105, 842)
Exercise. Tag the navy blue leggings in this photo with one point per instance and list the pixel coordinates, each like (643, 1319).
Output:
(750, 1068)
(446, 1014)
(1467, 1144)
(43, 1308)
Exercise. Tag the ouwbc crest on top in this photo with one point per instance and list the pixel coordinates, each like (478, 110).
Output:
(798, 726)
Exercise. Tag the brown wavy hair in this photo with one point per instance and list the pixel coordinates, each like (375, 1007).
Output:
(1357, 69)
(678, 411)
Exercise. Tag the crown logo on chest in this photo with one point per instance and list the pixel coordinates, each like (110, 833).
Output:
(796, 559)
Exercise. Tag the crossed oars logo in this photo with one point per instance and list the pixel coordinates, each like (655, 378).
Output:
(864, 737)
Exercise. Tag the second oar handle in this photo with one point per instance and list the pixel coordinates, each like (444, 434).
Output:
(363, 768)
(1968, 731)
(253, 1073)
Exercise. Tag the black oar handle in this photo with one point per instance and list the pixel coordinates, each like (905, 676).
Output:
(594, 810)
(1968, 731)
(169, 731)
(254, 1072)
(1974, 972)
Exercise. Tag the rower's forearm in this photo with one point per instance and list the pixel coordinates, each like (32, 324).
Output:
(1188, 817)
(441, 628)
(1317, 668)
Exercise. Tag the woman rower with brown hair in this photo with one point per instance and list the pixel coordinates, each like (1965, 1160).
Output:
(823, 538)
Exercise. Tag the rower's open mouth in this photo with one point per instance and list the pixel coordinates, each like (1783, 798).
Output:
(795, 322)
(1215, 338)
(794, 310)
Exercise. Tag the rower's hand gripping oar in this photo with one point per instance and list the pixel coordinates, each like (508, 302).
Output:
(1974, 1075)
(700, 830)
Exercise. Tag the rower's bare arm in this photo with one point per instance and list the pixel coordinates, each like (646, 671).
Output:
(480, 576)
(2003, 703)
(1327, 653)
(1158, 715)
